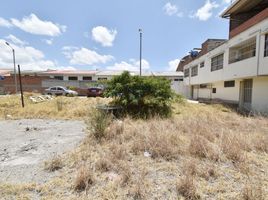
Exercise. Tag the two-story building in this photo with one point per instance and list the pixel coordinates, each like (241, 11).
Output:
(237, 70)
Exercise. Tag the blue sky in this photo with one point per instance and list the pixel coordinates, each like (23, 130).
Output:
(103, 34)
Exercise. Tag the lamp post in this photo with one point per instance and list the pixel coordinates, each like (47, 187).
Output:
(140, 31)
(15, 74)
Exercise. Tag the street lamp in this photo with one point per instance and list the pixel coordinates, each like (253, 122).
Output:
(140, 31)
(15, 74)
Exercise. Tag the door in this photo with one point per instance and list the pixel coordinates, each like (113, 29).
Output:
(246, 94)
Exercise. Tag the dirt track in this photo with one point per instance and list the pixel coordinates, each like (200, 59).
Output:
(26, 144)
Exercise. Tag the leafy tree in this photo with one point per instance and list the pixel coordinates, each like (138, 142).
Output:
(141, 96)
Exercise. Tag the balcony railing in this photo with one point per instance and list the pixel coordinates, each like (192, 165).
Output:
(243, 51)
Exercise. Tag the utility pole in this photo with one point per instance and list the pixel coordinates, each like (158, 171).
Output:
(21, 91)
(15, 73)
(140, 31)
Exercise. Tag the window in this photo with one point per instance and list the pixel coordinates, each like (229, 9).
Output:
(186, 72)
(60, 89)
(243, 51)
(101, 79)
(176, 79)
(214, 90)
(203, 86)
(73, 78)
(202, 64)
(266, 46)
(58, 77)
(217, 63)
(87, 78)
(194, 71)
(229, 83)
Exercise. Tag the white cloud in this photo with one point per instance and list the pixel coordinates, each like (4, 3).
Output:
(84, 56)
(171, 9)
(32, 24)
(205, 12)
(48, 41)
(227, 1)
(103, 35)
(173, 64)
(15, 40)
(131, 65)
(5, 23)
(28, 57)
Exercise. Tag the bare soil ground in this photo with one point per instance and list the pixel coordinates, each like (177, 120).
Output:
(26, 144)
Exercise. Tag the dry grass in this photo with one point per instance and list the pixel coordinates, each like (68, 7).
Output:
(58, 108)
(186, 188)
(54, 164)
(210, 147)
(83, 179)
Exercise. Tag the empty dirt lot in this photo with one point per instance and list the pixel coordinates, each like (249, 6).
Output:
(26, 144)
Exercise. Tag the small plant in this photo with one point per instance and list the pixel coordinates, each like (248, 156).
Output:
(54, 164)
(201, 147)
(59, 104)
(103, 164)
(186, 188)
(83, 179)
(253, 191)
(98, 123)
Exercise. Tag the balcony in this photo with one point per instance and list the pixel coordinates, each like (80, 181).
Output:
(243, 51)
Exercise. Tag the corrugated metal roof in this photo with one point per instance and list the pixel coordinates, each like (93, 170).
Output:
(70, 72)
(4, 72)
(168, 73)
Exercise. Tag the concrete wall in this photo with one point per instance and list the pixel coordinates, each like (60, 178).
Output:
(228, 94)
(260, 94)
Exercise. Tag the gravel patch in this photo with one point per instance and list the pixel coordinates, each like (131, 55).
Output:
(26, 144)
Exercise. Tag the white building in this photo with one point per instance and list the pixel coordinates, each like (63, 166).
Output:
(80, 78)
(237, 70)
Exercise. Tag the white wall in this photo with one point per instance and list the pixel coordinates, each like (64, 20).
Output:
(260, 94)
(230, 94)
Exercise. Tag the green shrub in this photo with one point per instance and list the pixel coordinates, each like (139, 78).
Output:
(98, 123)
(141, 96)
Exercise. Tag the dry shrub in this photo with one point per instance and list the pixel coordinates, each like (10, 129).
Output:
(98, 122)
(125, 172)
(83, 179)
(190, 167)
(186, 188)
(157, 137)
(202, 148)
(231, 147)
(54, 164)
(138, 186)
(117, 152)
(260, 143)
(103, 164)
(208, 172)
(253, 191)
(116, 128)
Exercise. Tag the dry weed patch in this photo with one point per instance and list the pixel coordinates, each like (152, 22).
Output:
(54, 164)
(83, 179)
(186, 188)
(212, 149)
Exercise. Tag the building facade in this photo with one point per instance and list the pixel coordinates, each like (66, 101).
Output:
(80, 80)
(237, 70)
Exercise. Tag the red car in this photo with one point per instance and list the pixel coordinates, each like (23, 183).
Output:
(95, 92)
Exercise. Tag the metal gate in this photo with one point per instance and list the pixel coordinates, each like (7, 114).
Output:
(246, 94)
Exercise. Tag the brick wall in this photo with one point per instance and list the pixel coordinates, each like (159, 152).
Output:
(29, 84)
(249, 23)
